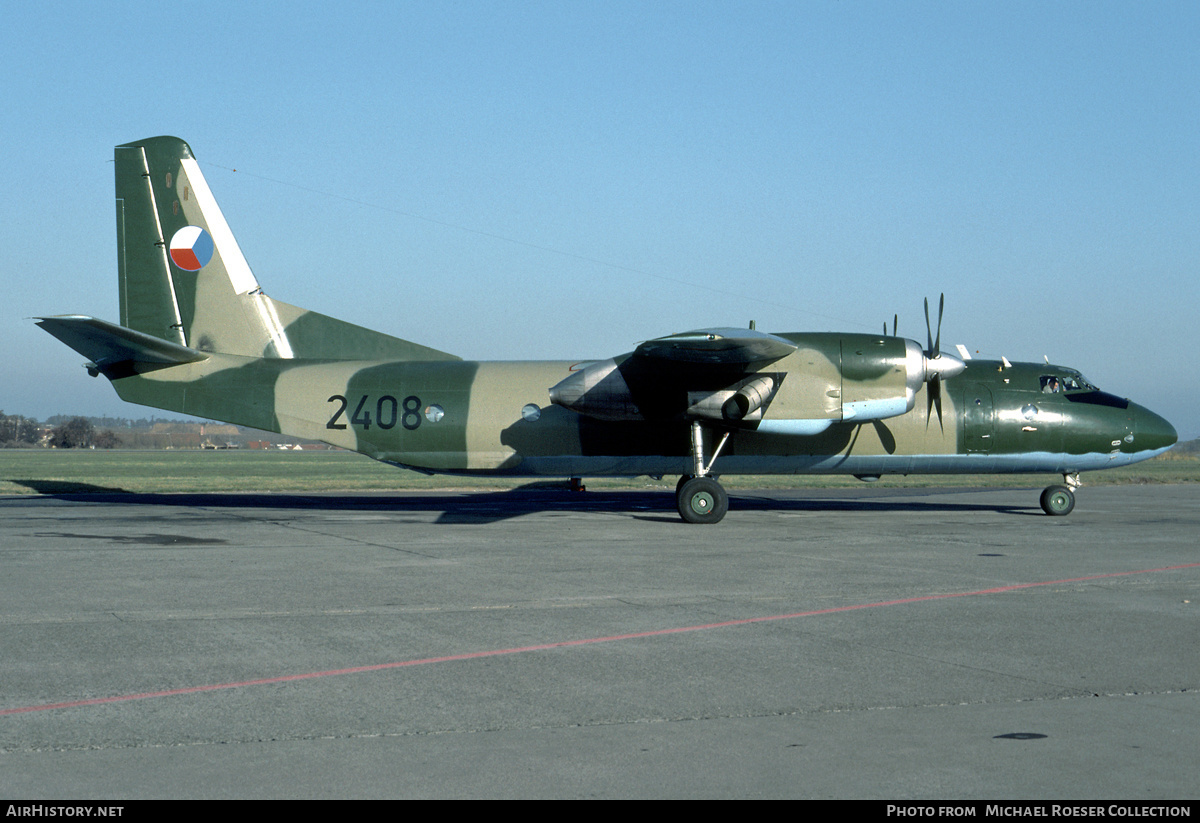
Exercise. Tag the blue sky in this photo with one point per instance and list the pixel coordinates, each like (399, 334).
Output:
(563, 180)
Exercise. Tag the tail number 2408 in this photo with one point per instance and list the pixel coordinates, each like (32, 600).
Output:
(387, 412)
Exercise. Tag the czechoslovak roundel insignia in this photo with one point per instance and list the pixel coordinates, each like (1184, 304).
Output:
(191, 248)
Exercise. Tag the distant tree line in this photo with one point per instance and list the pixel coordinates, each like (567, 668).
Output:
(17, 431)
(63, 431)
(113, 422)
(20, 432)
(79, 433)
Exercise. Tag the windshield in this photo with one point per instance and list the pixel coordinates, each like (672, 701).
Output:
(1069, 381)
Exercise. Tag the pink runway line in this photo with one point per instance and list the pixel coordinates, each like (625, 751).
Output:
(567, 643)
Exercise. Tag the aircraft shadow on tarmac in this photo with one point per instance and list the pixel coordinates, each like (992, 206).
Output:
(56, 487)
(484, 507)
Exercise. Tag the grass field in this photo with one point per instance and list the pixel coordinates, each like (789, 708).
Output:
(45, 471)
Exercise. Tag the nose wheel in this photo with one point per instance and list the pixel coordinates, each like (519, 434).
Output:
(1057, 501)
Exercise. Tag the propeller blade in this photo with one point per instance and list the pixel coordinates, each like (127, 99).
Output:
(928, 329)
(933, 402)
(937, 344)
(938, 367)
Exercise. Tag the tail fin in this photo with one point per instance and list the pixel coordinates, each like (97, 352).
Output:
(183, 278)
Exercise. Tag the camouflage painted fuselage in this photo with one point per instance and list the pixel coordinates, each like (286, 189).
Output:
(496, 417)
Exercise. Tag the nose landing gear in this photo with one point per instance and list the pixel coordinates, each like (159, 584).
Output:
(1058, 501)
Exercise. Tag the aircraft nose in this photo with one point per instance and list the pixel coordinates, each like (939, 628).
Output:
(1153, 431)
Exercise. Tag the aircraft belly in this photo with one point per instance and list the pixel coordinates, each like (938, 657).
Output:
(656, 465)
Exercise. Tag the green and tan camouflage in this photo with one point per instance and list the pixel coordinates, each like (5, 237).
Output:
(198, 335)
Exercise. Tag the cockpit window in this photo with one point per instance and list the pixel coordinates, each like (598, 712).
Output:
(1055, 383)
(1076, 389)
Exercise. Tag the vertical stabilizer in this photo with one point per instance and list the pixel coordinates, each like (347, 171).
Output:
(184, 279)
(182, 276)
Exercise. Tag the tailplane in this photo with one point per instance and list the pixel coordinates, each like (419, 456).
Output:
(117, 351)
(184, 280)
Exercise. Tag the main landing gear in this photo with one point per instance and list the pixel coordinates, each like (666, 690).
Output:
(1058, 501)
(701, 499)
(698, 496)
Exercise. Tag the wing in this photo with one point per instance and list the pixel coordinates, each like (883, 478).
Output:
(709, 373)
(736, 347)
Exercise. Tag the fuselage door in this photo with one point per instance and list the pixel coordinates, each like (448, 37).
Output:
(979, 418)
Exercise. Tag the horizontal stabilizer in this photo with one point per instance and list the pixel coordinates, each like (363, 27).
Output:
(110, 346)
(719, 346)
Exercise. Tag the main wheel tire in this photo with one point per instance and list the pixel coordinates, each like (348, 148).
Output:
(679, 486)
(702, 500)
(1057, 501)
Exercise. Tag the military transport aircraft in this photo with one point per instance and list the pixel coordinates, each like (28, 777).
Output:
(199, 336)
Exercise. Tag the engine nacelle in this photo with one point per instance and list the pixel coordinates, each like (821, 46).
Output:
(868, 390)
(872, 378)
(743, 402)
(598, 390)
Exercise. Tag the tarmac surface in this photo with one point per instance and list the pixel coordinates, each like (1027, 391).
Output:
(855, 643)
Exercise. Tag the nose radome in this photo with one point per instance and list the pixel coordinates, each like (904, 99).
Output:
(1152, 431)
